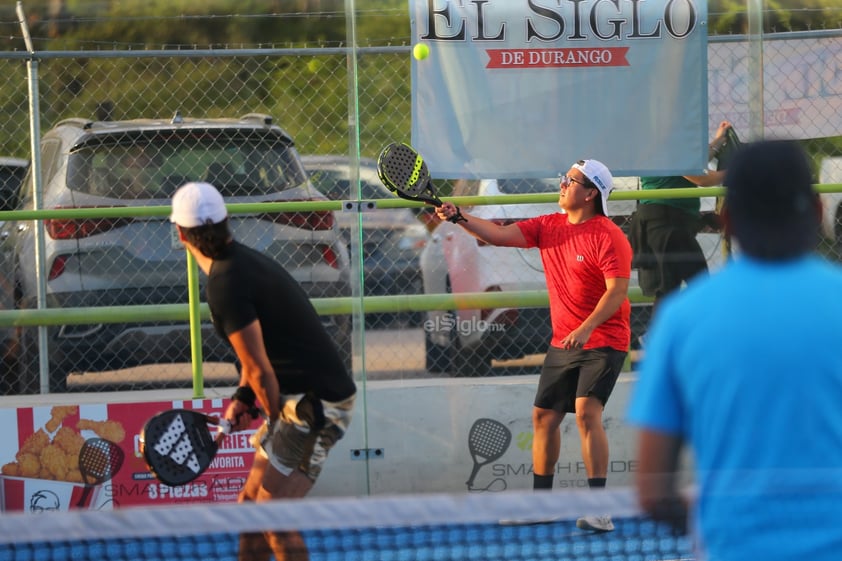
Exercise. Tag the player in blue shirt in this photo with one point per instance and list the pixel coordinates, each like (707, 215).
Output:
(745, 368)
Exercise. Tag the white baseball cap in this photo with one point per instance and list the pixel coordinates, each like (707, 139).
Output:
(599, 175)
(196, 204)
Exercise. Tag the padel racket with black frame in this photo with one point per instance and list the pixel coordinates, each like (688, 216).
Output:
(488, 440)
(99, 461)
(404, 172)
(178, 445)
(729, 149)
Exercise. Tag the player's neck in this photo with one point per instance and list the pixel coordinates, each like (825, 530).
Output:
(579, 215)
(204, 262)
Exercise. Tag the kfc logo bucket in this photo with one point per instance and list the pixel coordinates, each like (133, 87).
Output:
(22, 494)
(64, 456)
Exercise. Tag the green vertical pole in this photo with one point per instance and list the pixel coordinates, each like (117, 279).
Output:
(195, 326)
(755, 81)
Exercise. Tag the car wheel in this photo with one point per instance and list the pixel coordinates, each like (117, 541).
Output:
(29, 367)
(437, 359)
(472, 362)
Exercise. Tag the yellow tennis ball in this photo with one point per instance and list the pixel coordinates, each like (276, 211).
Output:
(420, 51)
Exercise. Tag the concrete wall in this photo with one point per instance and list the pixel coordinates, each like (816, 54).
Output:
(421, 428)
(407, 436)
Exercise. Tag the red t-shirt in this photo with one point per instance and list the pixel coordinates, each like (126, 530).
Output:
(577, 259)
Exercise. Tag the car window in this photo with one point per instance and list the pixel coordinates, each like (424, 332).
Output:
(465, 187)
(11, 178)
(51, 157)
(332, 183)
(150, 170)
(336, 184)
(525, 186)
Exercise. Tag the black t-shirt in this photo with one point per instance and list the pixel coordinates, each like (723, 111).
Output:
(244, 285)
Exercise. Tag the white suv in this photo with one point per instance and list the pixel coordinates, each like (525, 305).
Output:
(463, 342)
(831, 172)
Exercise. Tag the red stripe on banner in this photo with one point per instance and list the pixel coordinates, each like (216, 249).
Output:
(76, 495)
(25, 425)
(557, 58)
(13, 493)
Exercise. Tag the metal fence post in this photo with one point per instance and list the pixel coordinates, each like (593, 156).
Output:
(195, 325)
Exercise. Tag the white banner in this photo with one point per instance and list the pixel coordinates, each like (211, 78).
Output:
(525, 88)
(802, 86)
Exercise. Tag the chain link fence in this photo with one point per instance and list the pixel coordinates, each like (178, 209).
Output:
(123, 129)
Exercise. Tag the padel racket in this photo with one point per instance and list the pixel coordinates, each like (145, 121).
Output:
(404, 172)
(99, 461)
(488, 440)
(178, 445)
(729, 149)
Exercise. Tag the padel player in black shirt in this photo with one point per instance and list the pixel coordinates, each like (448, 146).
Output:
(289, 365)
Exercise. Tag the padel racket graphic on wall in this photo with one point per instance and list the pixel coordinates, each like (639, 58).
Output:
(99, 461)
(488, 440)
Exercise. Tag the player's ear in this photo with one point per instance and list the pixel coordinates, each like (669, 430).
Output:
(180, 233)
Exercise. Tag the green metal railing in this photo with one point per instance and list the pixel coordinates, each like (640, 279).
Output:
(195, 312)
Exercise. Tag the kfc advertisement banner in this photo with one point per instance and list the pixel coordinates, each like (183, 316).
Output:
(524, 88)
(40, 450)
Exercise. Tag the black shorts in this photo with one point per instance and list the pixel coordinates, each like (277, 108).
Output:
(568, 374)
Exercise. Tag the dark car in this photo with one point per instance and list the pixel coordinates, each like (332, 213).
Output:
(12, 172)
(391, 239)
(98, 262)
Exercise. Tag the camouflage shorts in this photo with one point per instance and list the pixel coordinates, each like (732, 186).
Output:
(307, 429)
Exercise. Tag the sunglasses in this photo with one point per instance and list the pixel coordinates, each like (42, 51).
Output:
(565, 180)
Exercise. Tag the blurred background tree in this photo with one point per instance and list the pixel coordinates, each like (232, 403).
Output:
(729, 16)
(71, 24)
(69, 88)
(161, 24)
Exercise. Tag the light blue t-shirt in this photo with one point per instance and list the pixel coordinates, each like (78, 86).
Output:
(746, 366)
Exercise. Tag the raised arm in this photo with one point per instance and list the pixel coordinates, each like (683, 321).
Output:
(485, 230)
(712, 178)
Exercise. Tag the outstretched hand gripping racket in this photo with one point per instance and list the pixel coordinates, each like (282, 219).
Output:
(404, 172)
(488, 440)
(99, 461)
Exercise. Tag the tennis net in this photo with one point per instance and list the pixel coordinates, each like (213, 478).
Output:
(511, 526)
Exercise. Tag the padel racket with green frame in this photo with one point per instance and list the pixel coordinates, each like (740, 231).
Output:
(404, 172)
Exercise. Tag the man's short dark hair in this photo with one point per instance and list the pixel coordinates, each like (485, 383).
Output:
(770, 200)
(210, 239)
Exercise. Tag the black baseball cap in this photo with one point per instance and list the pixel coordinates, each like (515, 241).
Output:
(771, 201)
